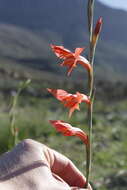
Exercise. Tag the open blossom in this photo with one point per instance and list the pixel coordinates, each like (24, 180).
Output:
(68, 130)
(70, 101)
(70, 59)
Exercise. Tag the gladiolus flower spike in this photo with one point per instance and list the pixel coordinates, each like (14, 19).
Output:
(67, 130)
(70, 60)
(70, 101)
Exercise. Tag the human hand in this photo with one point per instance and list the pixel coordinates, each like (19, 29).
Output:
(34, 166)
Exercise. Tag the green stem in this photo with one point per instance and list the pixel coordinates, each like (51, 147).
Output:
(12, 114)
(92, 72)
(89, 146)
(90, 13)
(13, 133)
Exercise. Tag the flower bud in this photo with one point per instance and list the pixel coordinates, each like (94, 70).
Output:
(97, 31)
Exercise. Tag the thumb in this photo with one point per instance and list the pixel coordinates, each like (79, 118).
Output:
(64, 168)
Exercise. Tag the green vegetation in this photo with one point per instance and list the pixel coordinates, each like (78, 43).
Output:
(109, 135)
(109, 148)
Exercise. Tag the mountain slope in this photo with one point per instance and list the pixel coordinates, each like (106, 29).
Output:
(28, 27)
(44, 14)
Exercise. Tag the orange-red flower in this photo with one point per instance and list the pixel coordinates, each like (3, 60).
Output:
(97, 30)
(70, 101)
(71, 59)
(68, 130)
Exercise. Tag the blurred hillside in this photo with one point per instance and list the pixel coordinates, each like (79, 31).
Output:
(28, 27)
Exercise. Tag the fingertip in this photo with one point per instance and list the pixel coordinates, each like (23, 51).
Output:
(74, 176)
(64, 168)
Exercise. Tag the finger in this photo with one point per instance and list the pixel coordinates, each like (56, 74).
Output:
(58, 163)
(63, 167)
(76, 188)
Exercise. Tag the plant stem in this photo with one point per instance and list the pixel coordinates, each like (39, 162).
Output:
(89, 146)
(12, 114)
(90, 13)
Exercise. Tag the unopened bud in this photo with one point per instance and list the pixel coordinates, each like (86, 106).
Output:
(97, 31)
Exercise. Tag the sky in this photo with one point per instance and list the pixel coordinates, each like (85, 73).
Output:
(120, 4)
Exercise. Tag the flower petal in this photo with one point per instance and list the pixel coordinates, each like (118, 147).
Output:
(68, 62)
(61, 52)
(70, 101)
(85, 63)
(68, 130)
(78, 51)
(58, 93)
(71, 59)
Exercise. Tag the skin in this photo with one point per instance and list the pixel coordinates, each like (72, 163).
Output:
(33, 166)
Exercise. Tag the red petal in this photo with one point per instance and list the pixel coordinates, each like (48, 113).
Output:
(78, 51)
(68, 130)
(58, 93)
(61, 52)
(85, 63)
(70, 101)
(68, 62)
